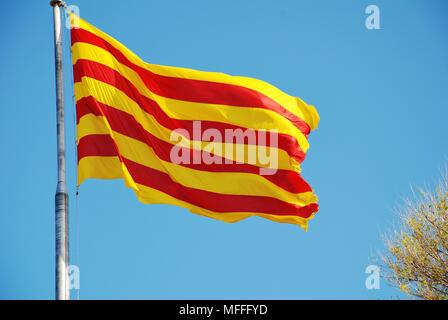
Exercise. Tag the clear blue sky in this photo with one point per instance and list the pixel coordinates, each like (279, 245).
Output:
(382, 98)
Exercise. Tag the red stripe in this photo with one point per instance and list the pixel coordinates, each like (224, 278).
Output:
(110, 76)
(194, 90)
(100, 145)
(214, 201)
(126, 124)
(208, 200)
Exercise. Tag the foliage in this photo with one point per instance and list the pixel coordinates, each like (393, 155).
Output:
(417, 257)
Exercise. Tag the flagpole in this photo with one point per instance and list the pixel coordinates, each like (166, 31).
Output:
(61, 197)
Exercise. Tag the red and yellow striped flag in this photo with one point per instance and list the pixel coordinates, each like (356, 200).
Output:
(222, 146)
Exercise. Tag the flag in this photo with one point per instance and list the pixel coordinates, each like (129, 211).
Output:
(222, 146)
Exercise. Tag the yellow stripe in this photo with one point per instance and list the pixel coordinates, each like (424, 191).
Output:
(154, 196)
(109, 168)
(89, 124)
(95, 167)
(294, 105)
(99, 168)
(229, 182)
(115, 98)
(254, 118)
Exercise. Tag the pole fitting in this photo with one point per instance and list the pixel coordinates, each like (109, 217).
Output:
(58, 3)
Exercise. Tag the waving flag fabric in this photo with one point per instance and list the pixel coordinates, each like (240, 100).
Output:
(157, 128)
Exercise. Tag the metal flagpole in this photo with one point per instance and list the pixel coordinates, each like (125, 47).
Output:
(61, 198)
